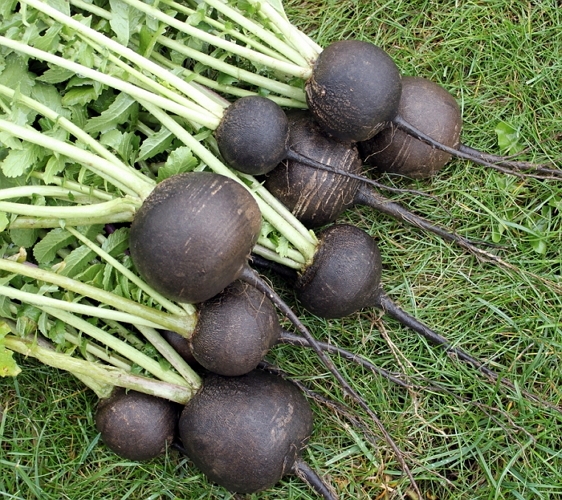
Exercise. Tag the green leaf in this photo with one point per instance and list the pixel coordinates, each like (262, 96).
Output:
(118, 112)
(117, 242)
(179, 160)
(155, 144)
(3, 221)
(79, 96)
(49, 41)
(20, 161)
(8, 365)
(124, 20)
(76, 261)
(55, 75)
(25, 238)
(61, 5)
(46, 250)
(16, 76)
(55, 165)
(7, 8)
(49, 95)
(508, 138)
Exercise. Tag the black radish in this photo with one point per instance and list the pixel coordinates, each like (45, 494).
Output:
(193, 235)
(253, 135)
(425, 134)
(318, 197)
(245, 433)
(345, 277)
(428, 107)
(354, 90)
(135, 425)
(235, 330)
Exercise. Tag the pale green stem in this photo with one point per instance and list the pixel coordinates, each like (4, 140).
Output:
(67, 194)
(180, 324)
(97, 351)
(73, 186)
(102, 374)
(132, 56)
(292, 255)
(49, 223)
(146, 362)
(102, 209)
(222, 28)
(75, 307)
(123, 178)
(170, 354)
(212, 121)
(272, 255)
(132, 277)
(64, 123)
(276, 220)
(295, 37)
(110, 81)
(286, 102)
(236, 72)
(259, 31)
(251, 55)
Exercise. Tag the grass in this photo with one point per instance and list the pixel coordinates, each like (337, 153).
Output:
(463, 437)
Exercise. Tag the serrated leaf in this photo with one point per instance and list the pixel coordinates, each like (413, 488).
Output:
(5, 309)
(46, 249)
(155, 144)
(118, 112)
(92, 275)
(49, 95)
(179, 160)
(124, 20)
(18, 162)
(55, 74)
(25, 238)
(117, 242)
(15, 74)
(55, 165)
(79, 96)
(49, 40)
(76, 261)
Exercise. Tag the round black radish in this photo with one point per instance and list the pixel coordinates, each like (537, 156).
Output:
(193, 235)
(432, 110)
(136, 426)
(315, 197)
(235, 330)
(253, 134)
(245, 433)
(345, 274)
(354, 90)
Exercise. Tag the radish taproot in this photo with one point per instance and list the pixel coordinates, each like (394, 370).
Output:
(425, 134)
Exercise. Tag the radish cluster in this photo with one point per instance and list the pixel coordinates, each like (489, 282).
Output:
(192, 241)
